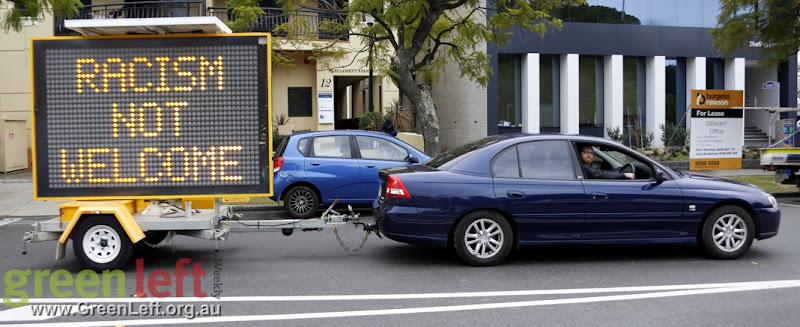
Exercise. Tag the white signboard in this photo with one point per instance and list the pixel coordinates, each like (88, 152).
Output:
(325, 108)
(717, 137)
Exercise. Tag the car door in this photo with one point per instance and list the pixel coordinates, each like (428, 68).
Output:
(624, 208)
(376, 153)
(536, 183)
(333, 168)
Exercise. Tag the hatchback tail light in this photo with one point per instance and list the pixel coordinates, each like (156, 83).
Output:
(277, 164)
(395, 188)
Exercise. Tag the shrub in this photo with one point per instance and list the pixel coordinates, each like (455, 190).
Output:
(674, 135)
(371, 121)
(615, 134)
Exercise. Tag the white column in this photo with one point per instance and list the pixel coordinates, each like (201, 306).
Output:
(734, 74)
(695, 80)
(530, 93)
(656, 94)
(570, 110)
(612, 87)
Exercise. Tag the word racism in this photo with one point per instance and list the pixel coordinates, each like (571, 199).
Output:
(191, 72)
(87, 283)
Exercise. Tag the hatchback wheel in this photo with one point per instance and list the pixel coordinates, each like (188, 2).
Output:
(483, 238)
(301, 202)
(727, 232)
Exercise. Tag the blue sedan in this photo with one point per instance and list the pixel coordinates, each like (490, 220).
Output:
(507, 191)
(314, 168)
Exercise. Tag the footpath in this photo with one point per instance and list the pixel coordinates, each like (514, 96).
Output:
(16, 193)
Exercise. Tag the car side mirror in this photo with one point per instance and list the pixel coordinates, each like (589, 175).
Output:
(660, 177)
(412, 158)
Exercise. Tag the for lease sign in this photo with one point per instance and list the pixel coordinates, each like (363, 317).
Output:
(717, 133)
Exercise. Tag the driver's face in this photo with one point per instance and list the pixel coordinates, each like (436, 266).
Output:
(587, 155)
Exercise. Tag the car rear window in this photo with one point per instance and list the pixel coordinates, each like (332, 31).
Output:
(447, 159)
(282, 147)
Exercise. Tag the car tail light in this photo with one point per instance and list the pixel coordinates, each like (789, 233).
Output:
(395, 188)
(277, 164)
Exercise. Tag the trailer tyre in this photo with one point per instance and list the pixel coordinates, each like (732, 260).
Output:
(100, 243)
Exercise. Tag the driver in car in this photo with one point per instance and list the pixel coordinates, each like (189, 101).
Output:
(587, 158)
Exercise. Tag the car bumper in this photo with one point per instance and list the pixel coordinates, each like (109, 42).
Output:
(279, 184)
(407, 225)
(769, 221)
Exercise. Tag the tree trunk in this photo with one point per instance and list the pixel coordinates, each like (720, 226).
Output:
(421, 101)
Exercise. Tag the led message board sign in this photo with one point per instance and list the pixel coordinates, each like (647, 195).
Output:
(151, 117)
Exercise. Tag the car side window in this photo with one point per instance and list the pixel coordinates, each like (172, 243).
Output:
(380, 149)
(337, 146)
(302, 146)
(505, 164)
(545, 160)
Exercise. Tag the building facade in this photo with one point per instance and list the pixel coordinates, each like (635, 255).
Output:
(299, 89)
(614, 64)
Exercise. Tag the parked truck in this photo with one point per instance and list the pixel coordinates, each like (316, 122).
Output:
(147, 133)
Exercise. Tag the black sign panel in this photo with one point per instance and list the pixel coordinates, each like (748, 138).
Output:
(170, 117)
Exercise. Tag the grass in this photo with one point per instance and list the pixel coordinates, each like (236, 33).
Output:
(766, 182)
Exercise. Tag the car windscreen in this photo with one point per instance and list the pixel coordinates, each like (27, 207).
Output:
(447, 159)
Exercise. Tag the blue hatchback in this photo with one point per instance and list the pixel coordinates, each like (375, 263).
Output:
(506, 191)
(317, 168)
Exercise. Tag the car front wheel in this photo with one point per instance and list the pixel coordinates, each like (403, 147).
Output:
(483, 238)
(301, 202)
(728, 232)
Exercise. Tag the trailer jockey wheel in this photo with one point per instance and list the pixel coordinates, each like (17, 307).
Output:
(100, 243)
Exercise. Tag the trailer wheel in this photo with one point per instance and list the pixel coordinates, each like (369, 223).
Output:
(100, 243)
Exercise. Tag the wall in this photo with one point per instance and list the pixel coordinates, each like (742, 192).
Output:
(301, 75)
(754, 79)
(15, 94)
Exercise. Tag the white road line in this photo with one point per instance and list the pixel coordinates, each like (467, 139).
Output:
(6, 221)
(361, 297)
(791, 205)
(735, 287)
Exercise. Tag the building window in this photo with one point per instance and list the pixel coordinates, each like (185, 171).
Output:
(590, 93)
(671, 93)
(633, 92)
(715, 74)
(299, 102)
(508, 99)
(549, 87)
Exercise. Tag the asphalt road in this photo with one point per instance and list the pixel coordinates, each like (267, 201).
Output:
(308, 280)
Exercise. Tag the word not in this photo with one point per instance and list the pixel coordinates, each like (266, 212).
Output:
(135, 119)
(185, 74)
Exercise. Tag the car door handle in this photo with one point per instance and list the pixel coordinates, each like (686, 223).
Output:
(515, 194)
(370, 166)
(314, 163)
(596, 196)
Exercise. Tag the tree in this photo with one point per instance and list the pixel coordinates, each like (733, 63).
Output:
(773, 23)
(19, 10)
(410, 41)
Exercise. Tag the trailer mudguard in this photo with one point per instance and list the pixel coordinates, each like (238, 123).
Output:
(118, 210)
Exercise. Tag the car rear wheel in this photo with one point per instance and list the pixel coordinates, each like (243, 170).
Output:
(301, 202)
(483, 238)
(728, 232)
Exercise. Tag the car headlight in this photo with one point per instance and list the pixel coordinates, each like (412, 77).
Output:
(772, 201)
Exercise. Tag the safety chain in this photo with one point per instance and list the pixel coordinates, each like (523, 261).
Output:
(167, 239)
(344, 246)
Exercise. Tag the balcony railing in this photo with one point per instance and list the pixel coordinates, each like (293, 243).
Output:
(275, 16)
(146, 9)
(140, 9)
